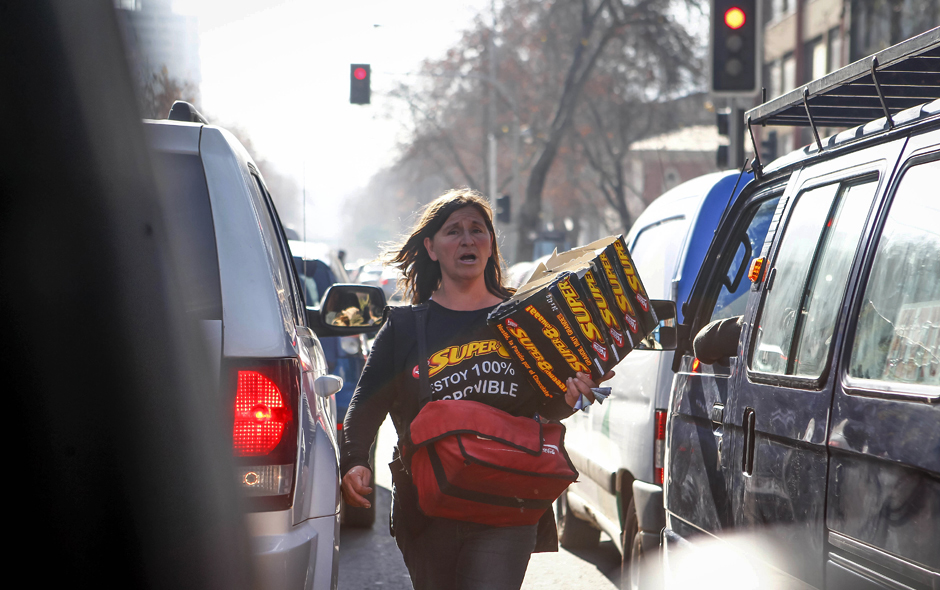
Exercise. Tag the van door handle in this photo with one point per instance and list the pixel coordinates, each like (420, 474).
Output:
(748, 427)
(717, 415)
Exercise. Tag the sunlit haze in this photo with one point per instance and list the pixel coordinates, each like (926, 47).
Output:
(280, 71)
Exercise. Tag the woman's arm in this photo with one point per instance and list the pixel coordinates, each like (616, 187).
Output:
(371, 401)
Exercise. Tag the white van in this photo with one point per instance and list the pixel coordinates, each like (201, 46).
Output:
(617, 445)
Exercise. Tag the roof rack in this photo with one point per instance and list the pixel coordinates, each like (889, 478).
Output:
(880, 85)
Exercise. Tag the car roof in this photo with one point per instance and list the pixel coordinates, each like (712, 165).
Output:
(683, 199)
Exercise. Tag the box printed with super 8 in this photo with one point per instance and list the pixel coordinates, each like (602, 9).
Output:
(583, 311)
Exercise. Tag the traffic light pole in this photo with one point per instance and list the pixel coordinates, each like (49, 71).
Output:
(736, 136)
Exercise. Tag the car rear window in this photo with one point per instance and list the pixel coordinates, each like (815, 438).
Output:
(190, 231)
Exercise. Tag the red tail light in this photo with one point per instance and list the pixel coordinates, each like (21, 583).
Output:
(659, 447)
(261, 415)
(264, 430)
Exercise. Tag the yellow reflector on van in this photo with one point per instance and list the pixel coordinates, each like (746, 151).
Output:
(757, 265)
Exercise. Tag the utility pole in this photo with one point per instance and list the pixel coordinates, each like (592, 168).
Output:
(735, 135)
(491, 105)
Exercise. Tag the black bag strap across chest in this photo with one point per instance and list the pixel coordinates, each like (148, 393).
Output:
(421, 329)
(410, 328)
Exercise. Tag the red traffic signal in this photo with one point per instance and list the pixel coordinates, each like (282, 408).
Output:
(735, 18)
(735, 47)
(360, 84)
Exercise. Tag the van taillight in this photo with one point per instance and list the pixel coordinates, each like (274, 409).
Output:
(659, 447)
(264, 431)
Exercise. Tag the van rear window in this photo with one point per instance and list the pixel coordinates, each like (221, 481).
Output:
(187, 217)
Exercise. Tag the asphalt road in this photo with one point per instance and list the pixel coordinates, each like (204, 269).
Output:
(369, 558)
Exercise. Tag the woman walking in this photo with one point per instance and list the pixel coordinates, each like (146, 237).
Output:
(451, 262)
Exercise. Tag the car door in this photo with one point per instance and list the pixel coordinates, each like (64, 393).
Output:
(883, 499)
(318, 453)
(778, 408)
(697, 488)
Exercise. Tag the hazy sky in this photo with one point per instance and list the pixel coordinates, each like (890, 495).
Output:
(280, 70)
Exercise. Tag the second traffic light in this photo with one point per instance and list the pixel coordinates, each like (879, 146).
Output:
(360, 84)
(735, 47)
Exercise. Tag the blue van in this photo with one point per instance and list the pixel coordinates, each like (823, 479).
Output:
(618, 446)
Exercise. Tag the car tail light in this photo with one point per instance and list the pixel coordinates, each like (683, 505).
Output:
(659, 447)
(264, 432)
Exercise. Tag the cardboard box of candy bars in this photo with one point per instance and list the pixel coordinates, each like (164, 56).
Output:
(582, 311)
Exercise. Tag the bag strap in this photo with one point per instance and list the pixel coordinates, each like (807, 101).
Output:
(424, 388)
(421, 330)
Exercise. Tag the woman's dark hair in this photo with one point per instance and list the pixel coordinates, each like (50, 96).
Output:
(421, 275)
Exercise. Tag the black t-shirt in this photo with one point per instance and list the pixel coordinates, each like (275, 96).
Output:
(466, 361)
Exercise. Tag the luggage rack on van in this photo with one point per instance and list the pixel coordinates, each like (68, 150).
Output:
(881, 85)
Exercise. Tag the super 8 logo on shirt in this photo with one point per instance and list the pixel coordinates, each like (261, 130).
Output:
(491, 374)
(454, 355)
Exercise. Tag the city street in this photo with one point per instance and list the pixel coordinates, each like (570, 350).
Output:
(369, 558)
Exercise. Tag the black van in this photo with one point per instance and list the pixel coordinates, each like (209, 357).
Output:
(811, 457)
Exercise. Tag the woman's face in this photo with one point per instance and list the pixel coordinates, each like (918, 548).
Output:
(462, 246)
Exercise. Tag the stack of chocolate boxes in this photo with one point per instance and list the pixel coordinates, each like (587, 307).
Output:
(582, 311)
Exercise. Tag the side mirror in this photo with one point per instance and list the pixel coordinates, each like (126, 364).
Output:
(664, 337)
(348, 309)
(327, 385)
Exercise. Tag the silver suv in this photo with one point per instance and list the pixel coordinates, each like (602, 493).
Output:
(239, 283)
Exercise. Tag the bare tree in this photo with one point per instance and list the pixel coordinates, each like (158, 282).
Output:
(593, 65)
(157, 92)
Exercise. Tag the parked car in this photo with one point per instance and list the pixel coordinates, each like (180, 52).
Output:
(271, 373)
(318, 268)
(618, 446)
(818, 440)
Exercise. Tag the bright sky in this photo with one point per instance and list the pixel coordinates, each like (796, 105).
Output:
(280, 70)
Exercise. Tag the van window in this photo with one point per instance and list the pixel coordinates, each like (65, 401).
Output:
(805, 293)
(897, 338)
(732, 297)
(825, 290)
(655, 253)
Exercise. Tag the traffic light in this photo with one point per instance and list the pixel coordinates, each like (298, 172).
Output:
(360, 81)
(735, 47)
(503, 210)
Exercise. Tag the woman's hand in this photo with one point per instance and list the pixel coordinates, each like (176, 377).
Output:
(356, 486)
(580, 385)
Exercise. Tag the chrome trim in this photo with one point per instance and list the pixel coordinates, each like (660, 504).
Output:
(886, 390)
(912, 570)
(864, 572)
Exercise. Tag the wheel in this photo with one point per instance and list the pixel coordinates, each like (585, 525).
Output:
(574, 533)
(356, 517)
(632, 550)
